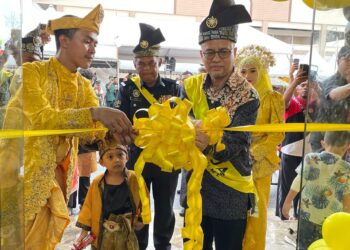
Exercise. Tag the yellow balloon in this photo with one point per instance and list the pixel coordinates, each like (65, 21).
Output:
(327, 4)
(336, 231)
(319, 245)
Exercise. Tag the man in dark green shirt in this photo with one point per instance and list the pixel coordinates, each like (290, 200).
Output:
(110, 92)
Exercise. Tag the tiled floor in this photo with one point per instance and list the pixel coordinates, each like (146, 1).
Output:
(276, 231)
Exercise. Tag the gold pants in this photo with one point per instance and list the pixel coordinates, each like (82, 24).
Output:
(45, 231)
(255, 233)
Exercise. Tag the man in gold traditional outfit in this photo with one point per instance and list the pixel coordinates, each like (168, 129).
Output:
(55, 96)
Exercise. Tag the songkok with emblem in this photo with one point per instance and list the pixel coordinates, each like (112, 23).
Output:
(150, 39)
(222, 21)
(91, 22)
(109, 143)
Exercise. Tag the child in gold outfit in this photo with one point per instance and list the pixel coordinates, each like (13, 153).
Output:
(111, 207)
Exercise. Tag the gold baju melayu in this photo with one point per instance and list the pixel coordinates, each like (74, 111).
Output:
(52, 98)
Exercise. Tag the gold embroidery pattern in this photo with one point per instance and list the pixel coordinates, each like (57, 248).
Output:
(236, 92)
(52, 110)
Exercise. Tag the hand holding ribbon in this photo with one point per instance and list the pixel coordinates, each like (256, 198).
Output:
(167, 137)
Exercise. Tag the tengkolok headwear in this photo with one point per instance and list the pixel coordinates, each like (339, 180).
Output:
(90, 22)
(32, 42)
(108, 144)
(221, 23)
(150, 39)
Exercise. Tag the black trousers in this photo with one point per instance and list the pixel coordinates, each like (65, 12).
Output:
(286, 176)
(183, 187)
(84, 184)
(72, 202)
(227, 234)
(163, 190)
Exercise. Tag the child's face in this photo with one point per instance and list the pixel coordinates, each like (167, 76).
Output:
(114, 160)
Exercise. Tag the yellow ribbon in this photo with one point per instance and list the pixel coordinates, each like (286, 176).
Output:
(268, 128)
(292, 127)
(167, 138)
(213, 124)
(9, 134)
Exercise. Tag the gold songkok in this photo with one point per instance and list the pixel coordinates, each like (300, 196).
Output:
(90, 22)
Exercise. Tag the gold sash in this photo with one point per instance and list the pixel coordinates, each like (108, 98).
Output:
(226, 173)
(149, 97)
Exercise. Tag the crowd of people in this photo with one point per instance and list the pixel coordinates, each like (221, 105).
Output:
(54, 95)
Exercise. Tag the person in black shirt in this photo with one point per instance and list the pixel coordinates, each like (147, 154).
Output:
(139, 93)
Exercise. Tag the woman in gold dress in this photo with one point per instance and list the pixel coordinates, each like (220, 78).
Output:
(253, 62)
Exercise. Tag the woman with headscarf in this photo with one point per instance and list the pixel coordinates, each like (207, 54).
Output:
(253, 63)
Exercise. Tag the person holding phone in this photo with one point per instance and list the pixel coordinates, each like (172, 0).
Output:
(293, 67)
(295, 98)
(335, 97)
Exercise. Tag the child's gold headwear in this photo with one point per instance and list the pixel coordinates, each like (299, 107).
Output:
(90, 22)
(109, 143)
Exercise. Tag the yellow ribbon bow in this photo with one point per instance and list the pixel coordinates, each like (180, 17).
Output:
(214, 119)
(167, 138)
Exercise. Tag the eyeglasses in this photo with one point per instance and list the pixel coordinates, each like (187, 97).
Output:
(143, 65)
(222, 53)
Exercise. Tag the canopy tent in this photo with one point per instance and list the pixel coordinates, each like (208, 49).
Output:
(119, 35)
(182, 38)
(182, 42)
